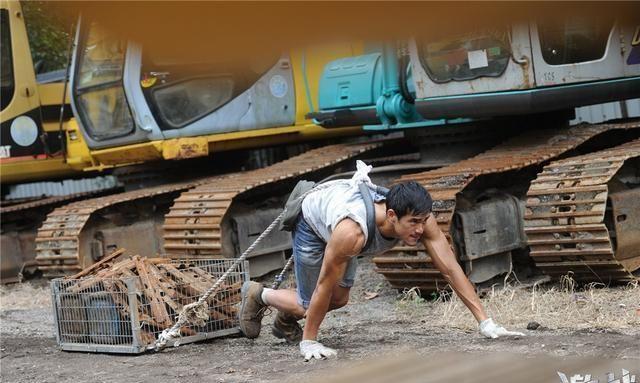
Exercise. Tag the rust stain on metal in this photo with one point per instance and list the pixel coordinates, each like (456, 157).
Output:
(525, 74)
(183, 148)
(189, 151)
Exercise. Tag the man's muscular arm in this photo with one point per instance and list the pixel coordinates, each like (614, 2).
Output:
(346, 241)
(443, 258)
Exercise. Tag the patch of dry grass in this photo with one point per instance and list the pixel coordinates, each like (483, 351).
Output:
(23, 296)
(559, 306)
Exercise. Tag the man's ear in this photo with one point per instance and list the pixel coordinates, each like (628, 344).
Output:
(392, 216)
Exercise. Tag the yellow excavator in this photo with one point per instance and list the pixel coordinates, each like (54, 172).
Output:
(39, 141)
(33, 133)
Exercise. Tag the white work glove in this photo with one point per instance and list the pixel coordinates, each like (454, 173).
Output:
(361, 174)
(491, 330)
(313, 349)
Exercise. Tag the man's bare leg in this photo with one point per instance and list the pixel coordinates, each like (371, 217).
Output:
(287, 300)
(284, 300)
(339, 297)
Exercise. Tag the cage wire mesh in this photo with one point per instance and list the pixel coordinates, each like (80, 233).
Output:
(126, 314)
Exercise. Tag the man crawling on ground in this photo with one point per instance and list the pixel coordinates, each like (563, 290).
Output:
(330, 233)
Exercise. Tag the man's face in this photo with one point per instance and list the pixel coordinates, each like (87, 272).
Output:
(410, 227)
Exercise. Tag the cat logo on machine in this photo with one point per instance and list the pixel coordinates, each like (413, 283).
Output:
(5, 151)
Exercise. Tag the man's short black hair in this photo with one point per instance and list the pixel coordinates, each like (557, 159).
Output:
(409, 198)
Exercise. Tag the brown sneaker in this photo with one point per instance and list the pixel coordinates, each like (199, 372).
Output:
(251, 309)
(286, 326)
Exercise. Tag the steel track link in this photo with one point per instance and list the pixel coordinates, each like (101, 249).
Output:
(565, 218)
(410, 266)
(59, 246)
(193, 225)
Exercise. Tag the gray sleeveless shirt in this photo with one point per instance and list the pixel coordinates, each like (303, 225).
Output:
(325, 208)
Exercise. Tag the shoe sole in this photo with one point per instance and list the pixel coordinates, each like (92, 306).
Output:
(243, 291)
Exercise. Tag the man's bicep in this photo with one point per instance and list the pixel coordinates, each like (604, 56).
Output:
(346, 240)
(344, 244)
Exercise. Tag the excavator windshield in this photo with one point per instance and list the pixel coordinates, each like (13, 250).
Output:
(98, 87)
(182, 89)
(473, 55)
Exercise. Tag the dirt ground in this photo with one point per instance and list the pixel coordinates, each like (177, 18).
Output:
(379, 322)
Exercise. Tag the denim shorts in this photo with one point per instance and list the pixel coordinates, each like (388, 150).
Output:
(308, 253)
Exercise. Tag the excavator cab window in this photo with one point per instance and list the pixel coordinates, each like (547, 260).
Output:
(182, 90)
(6, 66)
(472, 55)
(186, 101)
(575, 40)
(98, 86)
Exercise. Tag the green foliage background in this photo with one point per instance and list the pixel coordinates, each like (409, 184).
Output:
(49, 31)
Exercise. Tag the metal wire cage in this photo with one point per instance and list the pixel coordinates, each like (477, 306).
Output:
(126, 314)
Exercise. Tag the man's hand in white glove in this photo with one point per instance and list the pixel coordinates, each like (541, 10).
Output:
(491, 330)
(313, 349)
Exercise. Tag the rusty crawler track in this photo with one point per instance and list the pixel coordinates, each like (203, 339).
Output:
(20, 222)
(58, 242)
(60, 248)
(565, 218)
(409, 266)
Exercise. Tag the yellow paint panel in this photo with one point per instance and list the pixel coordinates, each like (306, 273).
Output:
(51, 94)
(34, 170)
(187, 147)
(51, 127)
(78, 154)
(149, 151)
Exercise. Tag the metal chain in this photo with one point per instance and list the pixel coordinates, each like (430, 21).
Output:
(194, 310)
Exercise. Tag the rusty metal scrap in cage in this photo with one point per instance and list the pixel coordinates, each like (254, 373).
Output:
(123, 308)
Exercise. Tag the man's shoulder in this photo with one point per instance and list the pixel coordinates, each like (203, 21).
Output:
(350, 233)
(348, 225)
(431, 230)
